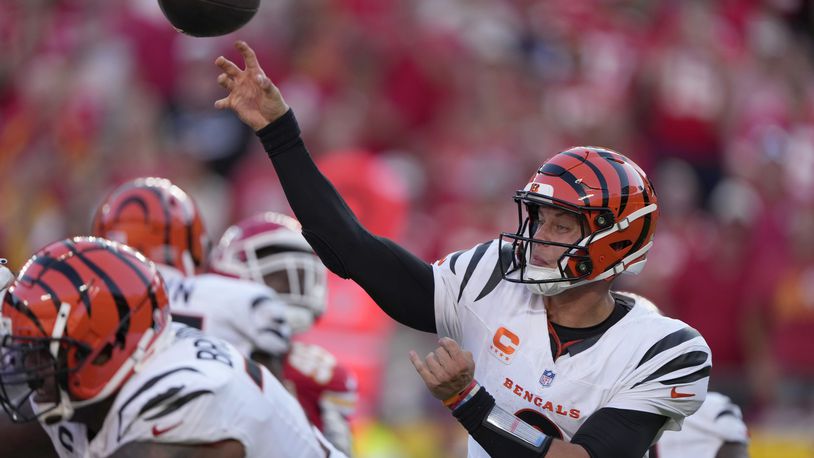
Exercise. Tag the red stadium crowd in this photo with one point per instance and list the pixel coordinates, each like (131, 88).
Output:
(437, 104)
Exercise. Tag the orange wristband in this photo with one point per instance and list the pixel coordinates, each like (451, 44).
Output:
(457, 399)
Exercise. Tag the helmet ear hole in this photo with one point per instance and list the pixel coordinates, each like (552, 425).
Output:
(585, 267)
(604, 220)
(103, 356)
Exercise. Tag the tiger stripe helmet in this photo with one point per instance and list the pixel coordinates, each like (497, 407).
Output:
(617, 208)
(77, 320)
(158, 219)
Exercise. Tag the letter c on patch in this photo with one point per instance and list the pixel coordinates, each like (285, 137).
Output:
(505, 340)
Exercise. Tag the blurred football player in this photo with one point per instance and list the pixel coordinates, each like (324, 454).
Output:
(162, 222)
(716, 430)
(269, 249)
(89, 349)
(565, 367)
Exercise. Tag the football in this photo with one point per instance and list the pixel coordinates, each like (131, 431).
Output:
(208, 18)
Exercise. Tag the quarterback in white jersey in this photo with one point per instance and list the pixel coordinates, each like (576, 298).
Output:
(663, 371)
(89, 349)
(715, 430)
(538, 320)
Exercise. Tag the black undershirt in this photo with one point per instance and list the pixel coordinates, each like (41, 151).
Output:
(402, 284)
(564, 339)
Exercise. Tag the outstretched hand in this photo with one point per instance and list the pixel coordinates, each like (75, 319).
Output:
(252, 95)
(446, 371)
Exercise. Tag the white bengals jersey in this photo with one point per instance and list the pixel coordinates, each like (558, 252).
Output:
(197, 390)
(644, 362)
(716, 423)
(246, 314)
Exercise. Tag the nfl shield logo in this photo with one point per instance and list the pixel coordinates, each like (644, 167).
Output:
(547, 378)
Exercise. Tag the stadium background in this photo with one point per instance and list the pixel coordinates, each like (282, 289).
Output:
(428, 114)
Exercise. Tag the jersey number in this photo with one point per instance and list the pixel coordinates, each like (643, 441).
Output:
(540, 422)
(313, 362)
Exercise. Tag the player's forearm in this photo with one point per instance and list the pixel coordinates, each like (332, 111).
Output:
(316, 203)
(503, 435)
(400, 283)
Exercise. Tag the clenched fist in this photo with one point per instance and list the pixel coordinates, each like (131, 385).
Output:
(447, 370)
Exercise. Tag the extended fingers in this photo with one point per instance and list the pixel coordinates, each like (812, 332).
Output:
(450, 346)
(436, 367)
(227, 66)
(226, 82)
(222, 103)
(445, 359)
(249, 57)
(456, 353)
(422, 369)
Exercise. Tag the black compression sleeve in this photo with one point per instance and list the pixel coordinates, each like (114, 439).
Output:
(400, 283)
(498, 444)
(619, 432)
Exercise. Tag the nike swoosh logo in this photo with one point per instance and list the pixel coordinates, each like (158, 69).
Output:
(157, 432)
(675, 394)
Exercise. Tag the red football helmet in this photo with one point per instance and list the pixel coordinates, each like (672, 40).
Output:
(615, 205)
(158, 219)
(269, 248)
(81, 315)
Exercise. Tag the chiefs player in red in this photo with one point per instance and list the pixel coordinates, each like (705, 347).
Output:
(269, 249)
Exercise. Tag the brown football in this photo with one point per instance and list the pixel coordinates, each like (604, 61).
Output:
(208, 18)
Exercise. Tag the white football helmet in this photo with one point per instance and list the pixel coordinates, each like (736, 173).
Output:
(269, 248)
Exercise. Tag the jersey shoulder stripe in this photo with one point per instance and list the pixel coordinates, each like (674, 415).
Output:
(152, 402)
(683, 361)
(669, 341)
(689, 378)
(477, 255)
(170, 401)
(497, 272)
(475, 272)
(157, 403)
(454, 259)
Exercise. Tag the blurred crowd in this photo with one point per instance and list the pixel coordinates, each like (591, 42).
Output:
(441, 109)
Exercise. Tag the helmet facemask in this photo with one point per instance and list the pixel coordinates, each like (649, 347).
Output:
(36, 369)
(270, 249)
(296, 276)
(33, 383)
(530, 261)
